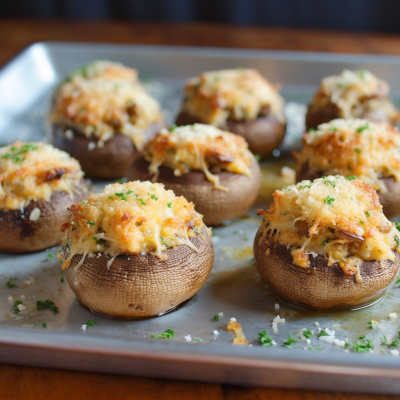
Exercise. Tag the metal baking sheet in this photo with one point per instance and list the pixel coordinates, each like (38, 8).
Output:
(234, 286)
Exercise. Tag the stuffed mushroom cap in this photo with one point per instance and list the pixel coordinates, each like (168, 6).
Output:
(37, 184)
(102, 111)
(352, 94)
(368, 150)
(135, 250)
(326, 243)
(211, 167)
(238, 100)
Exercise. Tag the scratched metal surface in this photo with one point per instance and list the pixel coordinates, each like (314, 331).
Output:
(234, 286)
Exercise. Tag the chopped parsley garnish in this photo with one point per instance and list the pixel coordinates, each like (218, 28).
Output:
(49, 257)
(94, 238)
(154, 197)
(367, 213)
(395, 342)
(142, 201)
(121, 180)
(196, 230)
(333, 184)
(326, 241)
(41, 305)
(357, 151)
(9, 284)
(371, 325)
(82, 203)
(90, 223)
(168, 334)
(172, 128)
(307, 333)
(44, 325)
(257, 157)
(169, 205)
(91, 322)
(305, 186)
(245, 239)
(111, 197)
(323, 333)
(333, 129)
(383, 351)
(311, 130)
(329, 200)
(397, 224)
(290, 340)
(62, 280)
(396, 239)
(16, 152)
(198, 339)
(235, 232)
(362, 128)
(362, 345)
(351, 177)
(122, 196)
(384, 340)
(216, 317)
(314, 348)
(16, 304)
(349, 168)
(264, 339)
(165, 243)
(398, 280)
(361, 73)
(361, 222)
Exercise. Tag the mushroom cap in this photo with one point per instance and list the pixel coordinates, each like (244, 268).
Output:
(216, 205)
(108, 162)
(139, 286)
(320, 287)
(390, 200)
(18, 234)
(263, 134)
(315, 117)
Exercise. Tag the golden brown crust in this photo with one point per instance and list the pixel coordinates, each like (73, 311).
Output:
(390, 200)
(263, 134)
(319, 286)
(217, 206)
(18, 234)
(318, 116)
(139, 286)
(108, 162)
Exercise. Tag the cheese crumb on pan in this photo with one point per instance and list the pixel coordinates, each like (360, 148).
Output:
(336, 217)
(355, 93)
(354, 147)
(199, 147)
(33, 171)
(236, 328)
(104, 98)
(234, 94)
(131, 218)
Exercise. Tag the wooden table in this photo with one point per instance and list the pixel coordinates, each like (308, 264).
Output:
(28, 383)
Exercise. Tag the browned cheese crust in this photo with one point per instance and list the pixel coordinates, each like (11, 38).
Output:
(139, 286)
(108, 162)
(216, 205)
(263, 134)
(20, 235)
(320, 286)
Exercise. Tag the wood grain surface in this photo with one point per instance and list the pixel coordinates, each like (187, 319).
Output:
(31, 383)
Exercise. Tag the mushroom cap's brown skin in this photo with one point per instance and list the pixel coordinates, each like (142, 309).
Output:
(140, 286)
(390, 200)
(108, 162)
(20, 235)
(320, 287)
(216, 205)
(263, 134)
(315, 117)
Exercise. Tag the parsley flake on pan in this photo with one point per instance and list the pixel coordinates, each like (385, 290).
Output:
(168, 334)
(44, 325)
(314, 348)
(290, 340)
(216, 317)
(264, 339)
(41, 305)
(363, 345)
(323, 333)
(91, 322)
(307, 333)
(16, 304)
(9, 283)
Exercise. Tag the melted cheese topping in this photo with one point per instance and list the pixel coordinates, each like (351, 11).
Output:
(104, 98)
(354, 147)
(355, 93)
(133, 218)
(199, 147)
(33, 171)
(236, 94)
(336, 217)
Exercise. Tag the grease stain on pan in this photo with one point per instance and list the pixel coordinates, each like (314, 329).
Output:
(238, 253)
